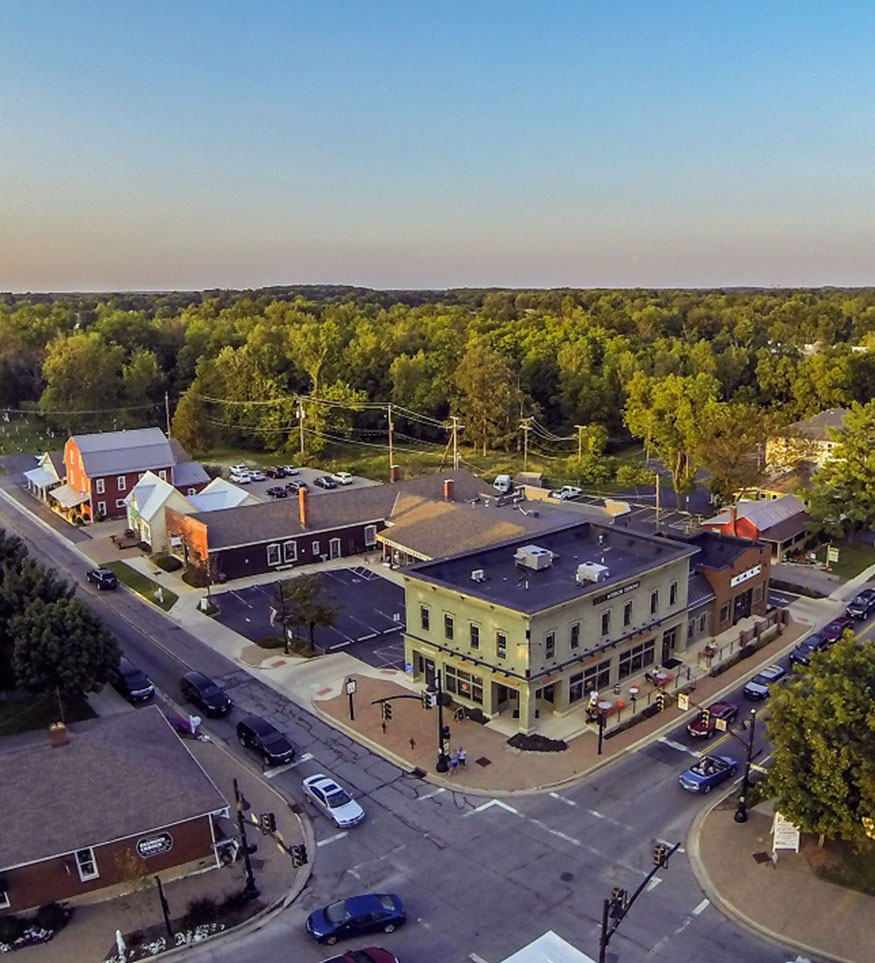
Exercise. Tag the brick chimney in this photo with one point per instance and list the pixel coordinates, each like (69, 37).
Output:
(733, 519)
(58, 734)
(302, 506)
(448, 489)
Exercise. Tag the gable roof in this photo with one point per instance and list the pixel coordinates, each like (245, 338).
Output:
(119, 452)
(150, 495)
(817, 427)
(252, 524)
(220, 494)
(762, 514)
(119, 775)
(190, 473)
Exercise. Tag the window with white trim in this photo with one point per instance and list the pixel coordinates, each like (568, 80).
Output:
(101, 508)
(475, 635)
(370, 536)
(119, 503)
(449, 628)
(673, 593)
(121, 482)
(273, 554)
(316, 547)
(550, 645)
(5, 902)
(654, 601)
(501, 645)
(424, 617)
(100, 486)
(86, 864)
(574, 640)
(192, 491)
(290, 551)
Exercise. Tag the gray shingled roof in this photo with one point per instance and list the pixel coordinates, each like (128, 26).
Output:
(252, 524)
(818, 426)
(119, 776)
(190, 473)
(699, 591)
(118, 452)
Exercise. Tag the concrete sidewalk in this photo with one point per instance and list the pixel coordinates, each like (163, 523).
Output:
(785, 901)
(89, 937)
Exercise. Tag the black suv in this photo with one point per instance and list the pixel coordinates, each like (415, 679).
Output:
(801, 655)
(132, 682)
(862, 605)
(258, 734)
(103, 578)
(204, 693)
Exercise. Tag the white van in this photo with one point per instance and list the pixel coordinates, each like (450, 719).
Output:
(502, 484)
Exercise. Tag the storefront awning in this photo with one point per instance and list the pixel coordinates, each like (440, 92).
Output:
(41, 478)
(68, 497)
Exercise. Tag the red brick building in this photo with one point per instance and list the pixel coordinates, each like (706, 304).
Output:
(781, 523)
(113, 799)
(102, 468)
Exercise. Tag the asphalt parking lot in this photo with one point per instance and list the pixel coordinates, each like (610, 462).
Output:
(371, 615)
(308, 475)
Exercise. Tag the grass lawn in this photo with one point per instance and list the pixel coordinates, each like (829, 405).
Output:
(142, 585)
(853, 558)
(40, 713)
(26, 434)
(846, 865)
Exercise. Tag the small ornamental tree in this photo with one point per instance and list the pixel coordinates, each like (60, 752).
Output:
(305, 601)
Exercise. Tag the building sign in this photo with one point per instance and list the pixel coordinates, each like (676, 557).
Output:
(615, 593)
(744, 576)
(785, 833)
(832, 554)
(154, 845)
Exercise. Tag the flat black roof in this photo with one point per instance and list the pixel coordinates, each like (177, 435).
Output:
(623, 552)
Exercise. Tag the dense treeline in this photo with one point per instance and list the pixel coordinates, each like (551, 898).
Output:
(568, 357)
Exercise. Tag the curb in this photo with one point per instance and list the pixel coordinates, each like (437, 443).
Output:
(707, 886)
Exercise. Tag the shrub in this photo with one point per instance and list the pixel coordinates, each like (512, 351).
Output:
(195, 577)
(201, 911)
(11, 927)
(52, 916)
(144, 547)
(168, 563)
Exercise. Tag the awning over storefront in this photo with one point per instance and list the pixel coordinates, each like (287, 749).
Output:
(68, 497)
(40, 478)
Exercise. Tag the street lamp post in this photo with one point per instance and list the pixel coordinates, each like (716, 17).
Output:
(741, 809)
(434, 689)
(250, 890)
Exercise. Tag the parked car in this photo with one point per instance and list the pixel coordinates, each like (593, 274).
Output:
(103, 578)
(834, 630)
(342, 478)
(294, 487)
(205, 694)
(275, 471)
(290, 470)
(257, 475)
(371, 954)
(703, 727)
(333, 800)
(240, 474)
(758, 687)
(707, 773)
(132, 682)
(358, 914)
(277, 492)
(801, 655)
(325, 481)
(862, 605)
(259, 735)
(566, 492)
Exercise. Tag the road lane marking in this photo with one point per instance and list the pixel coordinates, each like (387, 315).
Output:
(273, 773)
(679, 746)
(654, 883)
(474, 958)
(701, 907)
(332, 839)
(490, 804)
(431, 795)
(568, 802)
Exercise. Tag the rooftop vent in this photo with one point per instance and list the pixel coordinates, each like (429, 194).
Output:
(591, 572)
(478, 575)
(533, 557)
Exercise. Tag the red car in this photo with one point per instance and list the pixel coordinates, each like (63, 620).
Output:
(372, 954)
(700, 729)
(834, 630)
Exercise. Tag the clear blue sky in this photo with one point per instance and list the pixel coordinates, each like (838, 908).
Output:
(427, 144)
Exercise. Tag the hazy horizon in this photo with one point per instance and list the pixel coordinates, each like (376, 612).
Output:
(169, 147)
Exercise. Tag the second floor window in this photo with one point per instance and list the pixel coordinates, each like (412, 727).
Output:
(606, 622)
(475, 635)
(501, 645)
(101, 486)
(550, 645)
(654, 601)
(424, 619)
(122, 482)
(673, 593)
(627, 614)
(448, 627)
(574, 639)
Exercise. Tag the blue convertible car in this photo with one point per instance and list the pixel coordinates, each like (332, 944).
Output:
(707, 773)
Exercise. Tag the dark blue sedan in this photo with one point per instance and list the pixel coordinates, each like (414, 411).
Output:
(707, 773)
(357, 915)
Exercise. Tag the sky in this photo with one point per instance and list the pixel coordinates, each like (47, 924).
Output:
(411, 144)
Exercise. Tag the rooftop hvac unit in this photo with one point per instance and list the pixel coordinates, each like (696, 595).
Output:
(478, 575)
(591, 572)
(533, 557)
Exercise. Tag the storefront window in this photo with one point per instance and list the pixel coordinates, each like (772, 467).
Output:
(636, 658)
(464, 684)
(590, 680)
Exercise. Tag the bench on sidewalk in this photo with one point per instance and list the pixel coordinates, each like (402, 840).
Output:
(125, 540)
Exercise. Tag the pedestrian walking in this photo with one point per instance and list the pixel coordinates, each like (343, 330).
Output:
(462, 758)
(454, 762)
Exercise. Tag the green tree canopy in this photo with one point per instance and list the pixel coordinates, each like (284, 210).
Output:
(62, 645)
(488, 396)
(306, 601)
(731, 446)
(822, 729)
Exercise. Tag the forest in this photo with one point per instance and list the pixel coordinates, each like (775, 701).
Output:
(698, 376)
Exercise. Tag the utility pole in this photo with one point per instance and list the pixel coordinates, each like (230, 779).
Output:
(741, 809)
(250, 890)
(167, 412)
(456, 427)
(391, 449)
(580, 430)
(525, 428)
(301, 424)
(282, 601)
(657, 501)
(434, 689)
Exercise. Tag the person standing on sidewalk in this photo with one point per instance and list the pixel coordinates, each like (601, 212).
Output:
(462, 758)
(454, 762)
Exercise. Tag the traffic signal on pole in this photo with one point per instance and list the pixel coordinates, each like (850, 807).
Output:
(660, 854)
(706, 716)
(262, 822)
(268, 823)
(387, 710)
(299, 855)
(618, 903)
(660, 701)
(429, 699)
(445, 733)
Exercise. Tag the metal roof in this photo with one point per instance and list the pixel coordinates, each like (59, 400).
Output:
(120, 452)
(762, 514)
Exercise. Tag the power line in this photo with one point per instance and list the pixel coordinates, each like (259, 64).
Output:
(79, 411)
